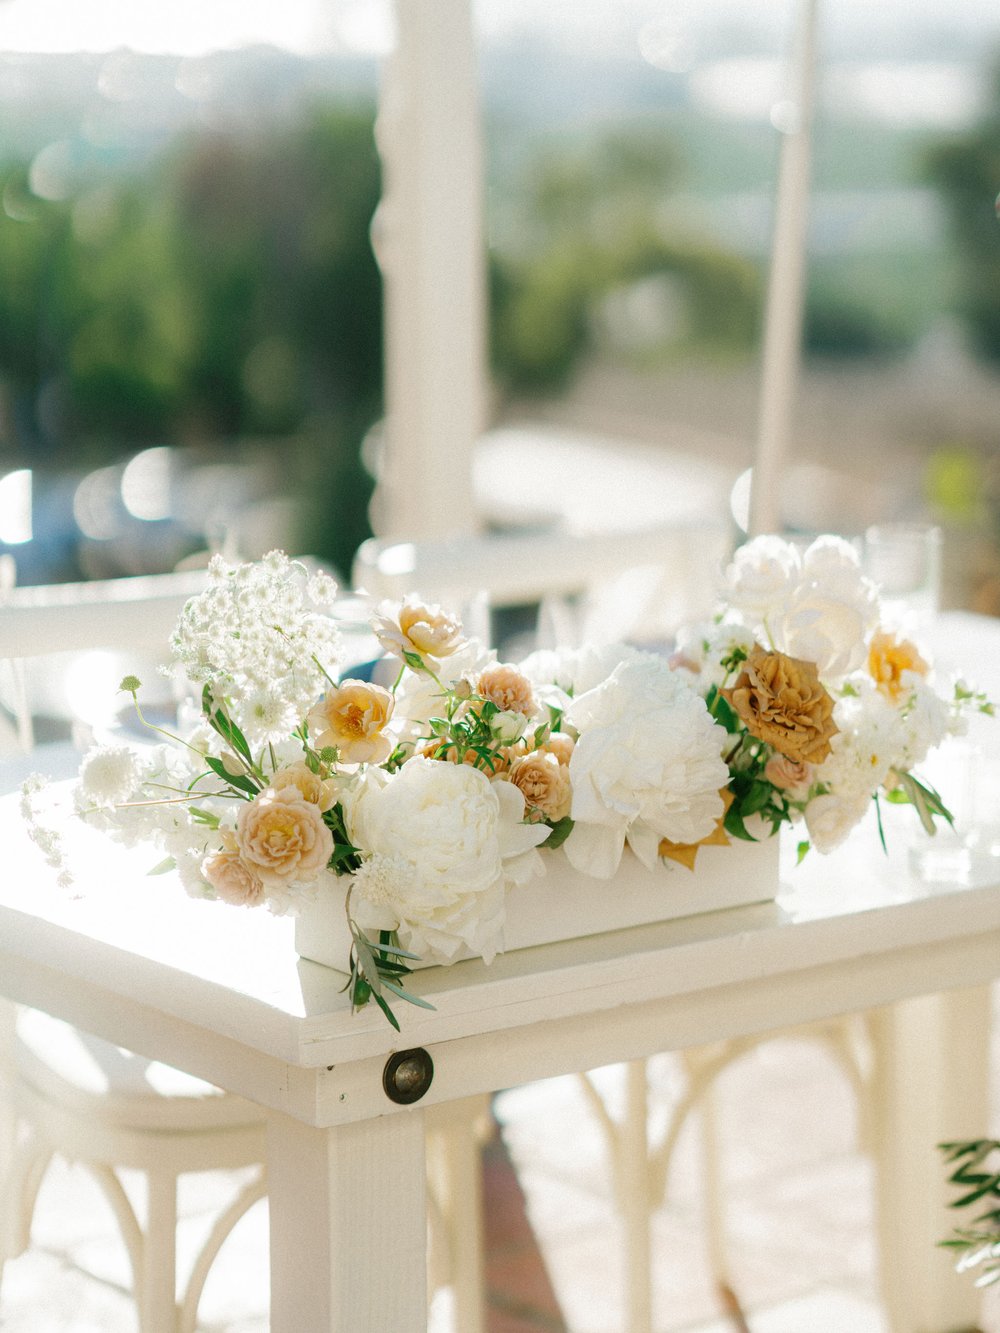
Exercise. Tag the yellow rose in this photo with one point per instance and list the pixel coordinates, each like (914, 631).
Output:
(888, 658)
(352, 716)
(781, 701)
(282, 837)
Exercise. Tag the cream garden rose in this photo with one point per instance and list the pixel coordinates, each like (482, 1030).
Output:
(234, 880)
(282, 836)
(544, 783)
(416, 627)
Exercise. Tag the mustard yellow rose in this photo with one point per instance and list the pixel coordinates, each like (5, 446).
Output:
(781, 700)
(888, 658)
(353, 717)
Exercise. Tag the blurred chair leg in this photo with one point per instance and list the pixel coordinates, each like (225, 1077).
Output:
(931, 1085)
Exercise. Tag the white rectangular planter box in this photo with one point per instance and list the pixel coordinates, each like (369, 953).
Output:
(565, 904)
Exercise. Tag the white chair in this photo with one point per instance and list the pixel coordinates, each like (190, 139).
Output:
(71, 1094)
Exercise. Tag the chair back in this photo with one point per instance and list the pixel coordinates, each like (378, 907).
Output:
(133, 615)
(628, 583)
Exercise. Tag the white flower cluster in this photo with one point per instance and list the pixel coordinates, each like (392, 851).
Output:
(258, 635)
(816, 606)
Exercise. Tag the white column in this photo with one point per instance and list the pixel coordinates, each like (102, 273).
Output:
(931, 1086)
(348, 1225)
(429, 241)
(783, 313)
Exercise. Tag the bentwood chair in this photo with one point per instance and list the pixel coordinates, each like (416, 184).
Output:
(67, 1093)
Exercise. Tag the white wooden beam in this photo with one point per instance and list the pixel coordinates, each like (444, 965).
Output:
(783, 313)
(429, 241)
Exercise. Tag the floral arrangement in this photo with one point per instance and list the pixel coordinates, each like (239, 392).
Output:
(427, 796)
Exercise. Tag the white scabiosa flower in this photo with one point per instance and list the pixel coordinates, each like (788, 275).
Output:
(109, 775)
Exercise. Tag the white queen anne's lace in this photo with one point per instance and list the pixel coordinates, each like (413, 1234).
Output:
(258, 633)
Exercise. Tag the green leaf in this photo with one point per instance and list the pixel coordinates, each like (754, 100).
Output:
(167, 864)
(382, 1004)
(408, 996)
(238, 780)
(802, 851)
(757, 797)
(561, 830)
(414, 661)
(204, 816)
(734, 825)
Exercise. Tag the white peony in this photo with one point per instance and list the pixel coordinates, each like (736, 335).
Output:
(648, 765)
(436, 838)
(574, 671)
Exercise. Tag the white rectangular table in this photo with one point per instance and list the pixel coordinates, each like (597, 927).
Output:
(220, 993)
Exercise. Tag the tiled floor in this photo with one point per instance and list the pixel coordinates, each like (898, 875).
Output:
(799, 1222)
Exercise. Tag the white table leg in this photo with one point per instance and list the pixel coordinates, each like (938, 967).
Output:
(348, 1226)
(931, 1085)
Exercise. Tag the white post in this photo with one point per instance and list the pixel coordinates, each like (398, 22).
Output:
(783, 315)
(429, 241)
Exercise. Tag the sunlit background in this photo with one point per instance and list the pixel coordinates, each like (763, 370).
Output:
(190, 317)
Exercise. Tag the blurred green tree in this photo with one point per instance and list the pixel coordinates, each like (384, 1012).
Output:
(966, 169)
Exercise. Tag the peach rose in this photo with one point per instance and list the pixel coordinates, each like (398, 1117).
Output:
(352, 716)
(544, 783)
(319, 791)
(233, 879)
(787, 773)
(283, 837)
(561, 744)
(781, 701)
(506, 687)
(416, 627)
(888, 658)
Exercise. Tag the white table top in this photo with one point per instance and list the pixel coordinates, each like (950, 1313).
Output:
(218, 990)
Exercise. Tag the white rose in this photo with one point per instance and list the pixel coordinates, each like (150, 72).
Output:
(441, 833)
(760, 577)
(648, 765)
(830, 818)
(867, 745)
(828, 614)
